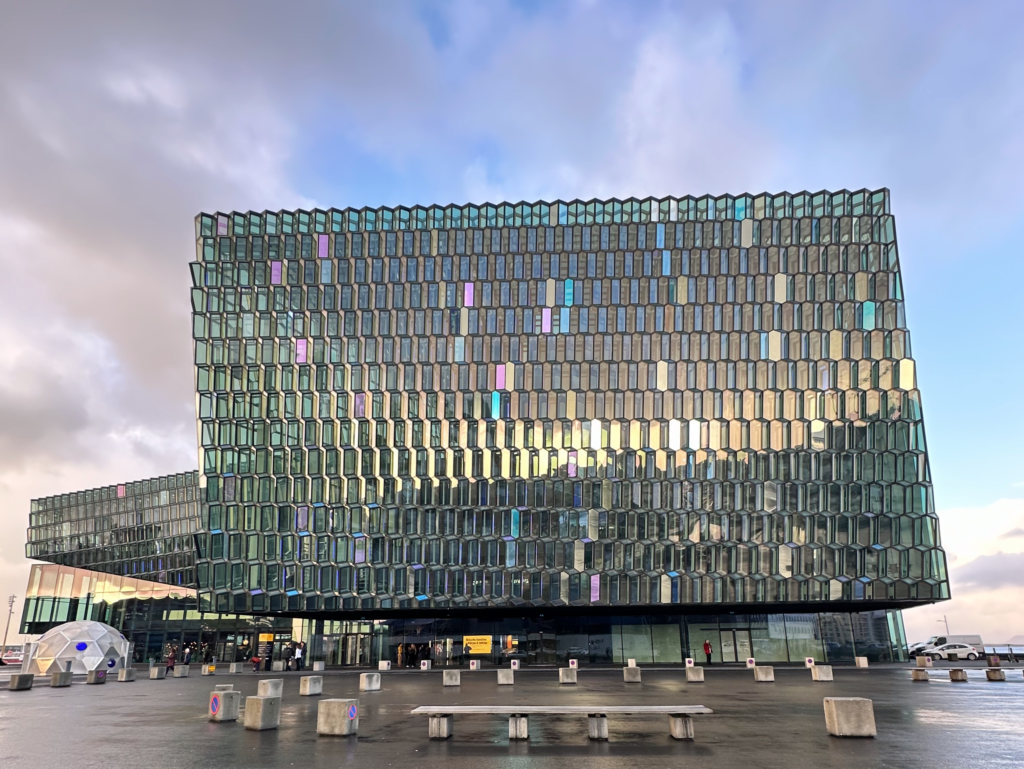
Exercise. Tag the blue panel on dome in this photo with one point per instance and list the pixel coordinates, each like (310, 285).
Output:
(81, 646)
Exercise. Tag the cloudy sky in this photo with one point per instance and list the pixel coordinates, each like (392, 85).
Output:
(120, 121)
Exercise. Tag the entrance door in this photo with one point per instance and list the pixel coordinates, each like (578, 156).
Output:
(743, 648)
(728, 641)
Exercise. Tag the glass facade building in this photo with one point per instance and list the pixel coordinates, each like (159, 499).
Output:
(639, 407)
(602, 429)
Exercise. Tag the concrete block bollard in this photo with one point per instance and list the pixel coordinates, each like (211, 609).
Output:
(180, 671)
(98, 676)
(440, 727)
(262, 713)
(574, 664)
(319, 666)
(597, 727)
(60, 678)
(337, 717)
(474, 664)
(207, 670)
(21, 681)
(384, 665)
(235, 667)
(126, 675)
(862, 662)
(518, 727)
(224, 688)
(809, 662)
(958, 675)
(850, 717)
(993, 660)
(923, 662)
(695, 675)
(157, 672)
(751, 663)
(311, 686)
(821, 673)
(995, 674)
(567, 675)
(224, 705)
(514, 665)
(631, 663)
(506, 677)
(270, 687)
(425, 664)
(277, 666)
(631, 675)
(451, 678)
(919, 675)
(369, 682)
(680, 726)
(764, 673)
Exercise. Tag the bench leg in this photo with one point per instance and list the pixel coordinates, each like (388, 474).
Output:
(518, 727)
(680, 727)
(440, 727)
(597, 725)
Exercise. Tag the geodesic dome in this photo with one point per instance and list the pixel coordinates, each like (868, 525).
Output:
(85, 644)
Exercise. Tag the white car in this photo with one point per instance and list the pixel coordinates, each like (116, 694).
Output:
(962, 651)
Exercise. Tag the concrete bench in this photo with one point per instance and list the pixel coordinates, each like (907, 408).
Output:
(441, 717)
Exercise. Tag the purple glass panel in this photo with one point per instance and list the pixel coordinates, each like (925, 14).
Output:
(469, 295)
(301, 518)
(545, 320)
(322, 246)
(572, 464)
(275, 273)
(360, 404)
(500, 384)
(595, 587)
(120, 491)
(300, 350)
(222, 225)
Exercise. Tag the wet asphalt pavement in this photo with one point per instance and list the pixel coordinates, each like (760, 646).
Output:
(161, 724)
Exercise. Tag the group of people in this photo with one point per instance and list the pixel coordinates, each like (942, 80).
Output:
(171, 658)
(294, 656)
(409, 655)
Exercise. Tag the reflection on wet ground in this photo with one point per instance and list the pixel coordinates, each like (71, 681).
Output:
(163, 724)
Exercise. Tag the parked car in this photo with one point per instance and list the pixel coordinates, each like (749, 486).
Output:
(935, 641)
(962, 651)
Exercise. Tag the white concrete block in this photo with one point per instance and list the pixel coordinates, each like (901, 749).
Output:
(474, 664)
(506, 677)
(425, 665)
(821, 673)
(597, 727)
(862, 662)
(96, 677)
(567, 675)
(764, 673)
(384, 665)
(695, 675)
(180, 671)
(631, 663)
(207, 670)
(277, 666)
(319, 666)
(21, 682)
(337, 717)
(270, 687)
(574, 664)
(157, 672)
(440, 727)
(631, 675)
(60, 678)
(451, 677)
(518, 727)
(689, 662)
(262, 713)
(310, 686)
(680, 727)
(235, 667)
(850, 717)
(958, 675)
(919, 674)
(369, 682)
(751, 663)
(923, 662)
(126, 674)
(225, 706)
(995, 674)
(809, 662)
(514, 665)
(224, 688)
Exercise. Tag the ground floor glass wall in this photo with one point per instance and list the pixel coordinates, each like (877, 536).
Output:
(827, 637)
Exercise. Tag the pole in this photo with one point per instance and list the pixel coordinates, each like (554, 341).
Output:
(947, 623)
(10, 611)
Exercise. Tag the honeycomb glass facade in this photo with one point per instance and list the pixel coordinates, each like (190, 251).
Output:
(652, 407)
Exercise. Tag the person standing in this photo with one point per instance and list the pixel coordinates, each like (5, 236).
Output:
(707, 650)
(299, 653)
(171, 659)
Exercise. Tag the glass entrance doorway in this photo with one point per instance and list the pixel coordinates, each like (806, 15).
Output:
(735, 645)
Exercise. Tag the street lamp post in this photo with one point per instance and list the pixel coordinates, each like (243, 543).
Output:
(945, 621)
(10, 611)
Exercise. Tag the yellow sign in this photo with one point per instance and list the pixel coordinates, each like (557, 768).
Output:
(266, 638)
(476, 644)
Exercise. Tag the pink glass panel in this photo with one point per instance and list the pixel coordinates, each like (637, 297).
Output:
(300, 350)
(595, 587)
(222, 225)
(323, 244)
(572, 464)
(545, 320)
(469, 295)
(501, 377)
(120, 491)
(360, 404)
(275, 273)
